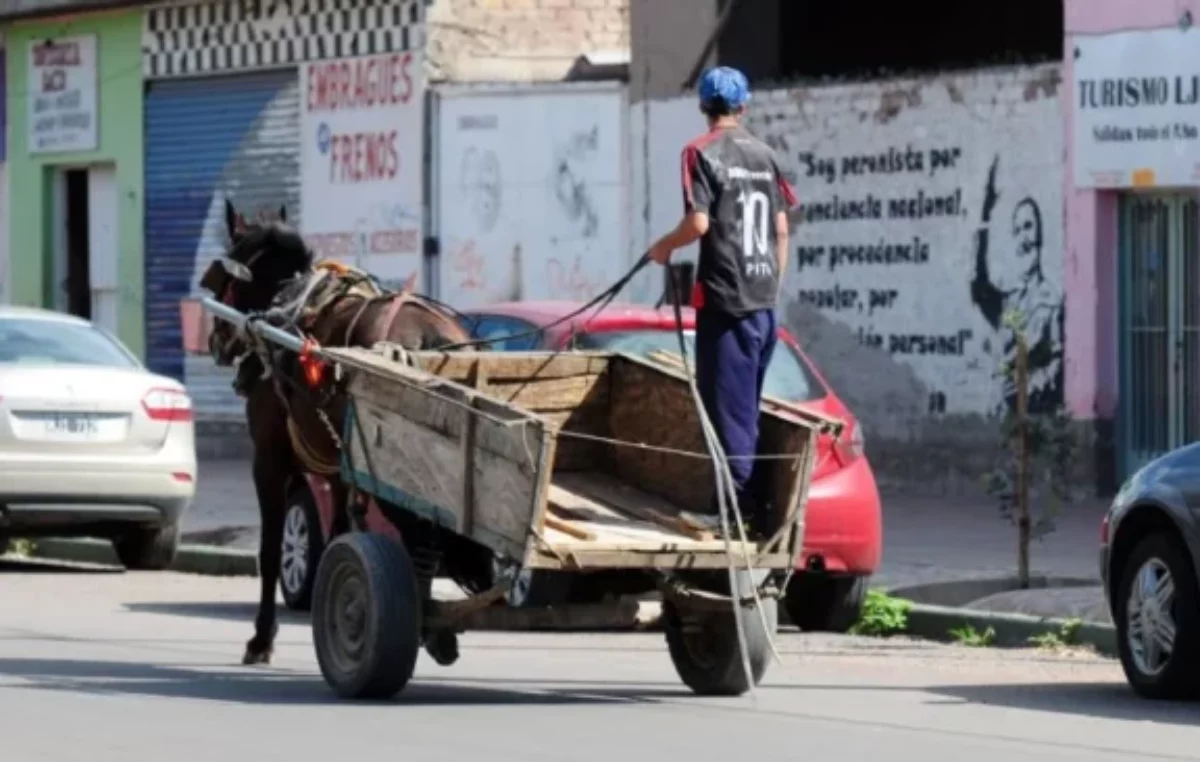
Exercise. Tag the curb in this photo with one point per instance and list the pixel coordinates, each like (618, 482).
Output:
(961, 593)
(1011, 630)
(191, 559)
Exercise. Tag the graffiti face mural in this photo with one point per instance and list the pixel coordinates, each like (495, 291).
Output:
(919, 228)
(1011, 282)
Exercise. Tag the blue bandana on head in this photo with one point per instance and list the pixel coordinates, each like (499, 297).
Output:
(725, 84)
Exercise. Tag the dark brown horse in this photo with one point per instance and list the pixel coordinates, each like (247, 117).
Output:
(294, 422)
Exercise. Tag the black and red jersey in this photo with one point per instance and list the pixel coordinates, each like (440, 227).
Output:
(733, 177)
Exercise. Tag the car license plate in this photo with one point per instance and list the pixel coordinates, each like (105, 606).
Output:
(69, 425)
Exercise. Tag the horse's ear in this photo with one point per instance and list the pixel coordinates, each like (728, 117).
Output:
(230, 218)
(235, 223)
(410, 285)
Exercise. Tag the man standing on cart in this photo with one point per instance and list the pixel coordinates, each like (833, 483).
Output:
(735, 203)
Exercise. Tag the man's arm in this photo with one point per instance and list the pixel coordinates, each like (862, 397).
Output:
(787, 200)
(697, 196)
(688, 231)
(782, 231)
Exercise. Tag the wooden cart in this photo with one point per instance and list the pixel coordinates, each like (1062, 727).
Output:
(571, 462)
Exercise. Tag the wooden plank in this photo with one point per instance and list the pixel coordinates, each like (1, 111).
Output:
(568, 528)
(652, 406)
(621, 499)
(543, 394)
(430, 464)
(579, 557)
(443, 409)
(606, 540)
(479, 382)
(513, 365)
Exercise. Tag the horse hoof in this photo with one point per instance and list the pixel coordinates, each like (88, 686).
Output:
(442, 645)
(256, 657)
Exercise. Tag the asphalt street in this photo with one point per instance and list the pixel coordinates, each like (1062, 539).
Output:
(103, 665)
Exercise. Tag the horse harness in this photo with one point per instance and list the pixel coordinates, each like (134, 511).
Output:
(327, 286)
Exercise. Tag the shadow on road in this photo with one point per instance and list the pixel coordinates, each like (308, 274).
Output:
(237, 611)
(232, 611)
(1110, 700)
(277, 687)
(12, 565)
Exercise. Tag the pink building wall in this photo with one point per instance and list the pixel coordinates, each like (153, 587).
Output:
(1091, 219)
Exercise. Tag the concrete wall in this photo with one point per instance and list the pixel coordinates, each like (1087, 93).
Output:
(531, 191)
(666, 37)
(896, 278)
(5, 296)
(520, 40)
(119, 95)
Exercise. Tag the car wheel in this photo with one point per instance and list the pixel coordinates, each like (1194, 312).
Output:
(1157, 612)
(823, 603)
(301, 549)
(149, 549)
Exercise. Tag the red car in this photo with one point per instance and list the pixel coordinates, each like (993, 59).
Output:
(843, 532)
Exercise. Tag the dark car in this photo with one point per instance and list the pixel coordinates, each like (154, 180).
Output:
(1149, 554)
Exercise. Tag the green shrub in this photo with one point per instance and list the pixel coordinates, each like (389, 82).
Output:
(882, 615)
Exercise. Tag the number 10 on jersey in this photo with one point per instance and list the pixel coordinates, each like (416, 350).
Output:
(756, 214)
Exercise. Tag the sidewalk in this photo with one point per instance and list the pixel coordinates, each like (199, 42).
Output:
(948, 538)
(930, 540)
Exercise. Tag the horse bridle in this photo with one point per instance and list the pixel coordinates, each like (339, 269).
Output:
(235, 272)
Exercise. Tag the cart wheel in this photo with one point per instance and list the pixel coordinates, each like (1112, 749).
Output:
(366, 616)
(704, 645)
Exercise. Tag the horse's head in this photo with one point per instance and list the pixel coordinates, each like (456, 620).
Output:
(263, 256)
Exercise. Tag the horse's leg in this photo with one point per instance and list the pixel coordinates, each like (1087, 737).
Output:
(270, 481)
(273, 463)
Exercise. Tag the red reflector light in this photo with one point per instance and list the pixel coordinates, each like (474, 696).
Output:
(1104, 531)
(181, 476)
(167, 405)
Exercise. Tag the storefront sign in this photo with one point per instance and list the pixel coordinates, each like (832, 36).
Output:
(62, 95)
(362, 163)
(1137, 109)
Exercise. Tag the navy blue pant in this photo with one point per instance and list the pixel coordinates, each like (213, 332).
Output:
(732, 355)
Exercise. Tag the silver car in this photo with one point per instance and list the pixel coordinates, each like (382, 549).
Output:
(91, 442)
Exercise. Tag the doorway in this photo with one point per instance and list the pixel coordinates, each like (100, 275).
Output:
(85, 244)
(73, 274)
(1159, 326)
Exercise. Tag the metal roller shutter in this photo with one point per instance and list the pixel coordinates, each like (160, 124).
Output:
(209, 139)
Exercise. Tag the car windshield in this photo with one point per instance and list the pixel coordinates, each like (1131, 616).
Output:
(787, 376)
(33, 341)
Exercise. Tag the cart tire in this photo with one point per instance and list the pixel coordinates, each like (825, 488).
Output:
(366, 616)
(704, 647)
